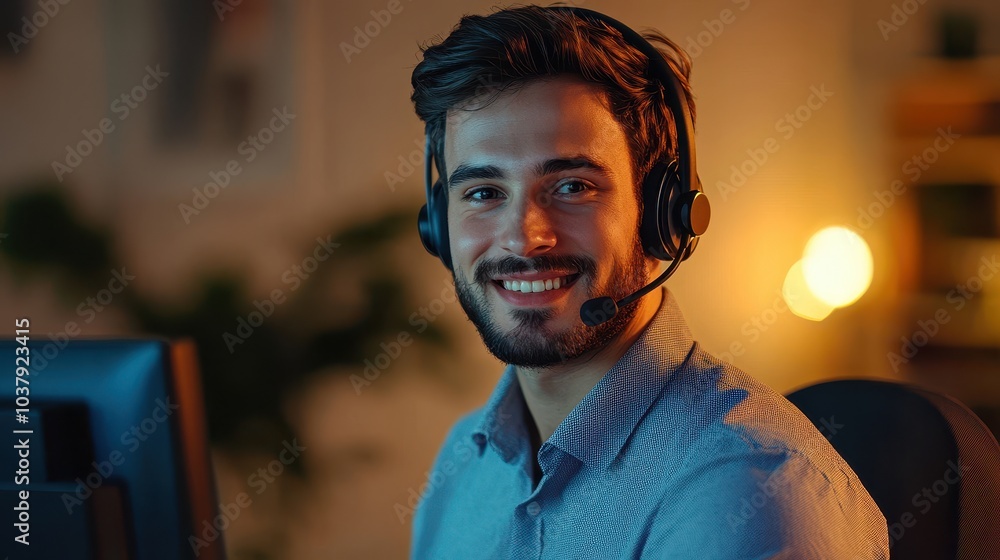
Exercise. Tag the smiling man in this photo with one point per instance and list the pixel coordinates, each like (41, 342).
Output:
(626, 439)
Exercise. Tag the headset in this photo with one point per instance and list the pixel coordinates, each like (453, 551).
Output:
(675, 210)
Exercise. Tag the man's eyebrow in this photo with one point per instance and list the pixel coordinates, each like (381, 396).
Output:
(558, 165)
(465, 172)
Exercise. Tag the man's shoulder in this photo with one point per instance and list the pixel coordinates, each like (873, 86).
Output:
(709, 404)
(747, 456)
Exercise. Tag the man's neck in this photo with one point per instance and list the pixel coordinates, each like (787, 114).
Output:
(552, 393)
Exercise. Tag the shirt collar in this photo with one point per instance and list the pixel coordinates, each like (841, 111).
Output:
(596, 430)
(502, 423)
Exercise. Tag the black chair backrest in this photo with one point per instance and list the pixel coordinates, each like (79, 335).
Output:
(929, 463)
(979, 522)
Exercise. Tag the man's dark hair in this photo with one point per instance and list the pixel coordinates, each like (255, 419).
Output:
(487, 55)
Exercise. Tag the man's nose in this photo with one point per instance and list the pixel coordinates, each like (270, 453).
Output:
(528, 229)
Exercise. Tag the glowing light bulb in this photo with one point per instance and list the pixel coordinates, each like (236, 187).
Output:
(800, 299)
(837, 266)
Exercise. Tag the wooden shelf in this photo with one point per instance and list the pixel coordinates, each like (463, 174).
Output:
(950, 303)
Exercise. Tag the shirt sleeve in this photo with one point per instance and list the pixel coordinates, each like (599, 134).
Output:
(767, 504)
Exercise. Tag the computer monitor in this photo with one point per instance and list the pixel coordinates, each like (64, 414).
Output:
(105, 453)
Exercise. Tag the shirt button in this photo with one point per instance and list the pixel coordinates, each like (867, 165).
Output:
(534, 509)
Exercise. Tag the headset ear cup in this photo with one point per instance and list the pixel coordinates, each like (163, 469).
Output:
(650, 224)
(689, 215)
(672, 218)
(660, 233)
(438, 218)
(432, 223)
(424, 227)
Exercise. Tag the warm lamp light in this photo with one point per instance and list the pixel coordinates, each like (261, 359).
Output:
(837, 266)
(835, 270)
(800, 299)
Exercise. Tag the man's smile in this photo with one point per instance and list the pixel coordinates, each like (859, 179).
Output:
(535, 281)
(534, 288)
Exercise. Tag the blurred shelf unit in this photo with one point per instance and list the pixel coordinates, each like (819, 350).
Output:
(945, 149)
(963, 95)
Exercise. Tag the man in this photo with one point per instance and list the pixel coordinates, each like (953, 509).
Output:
(623, 440)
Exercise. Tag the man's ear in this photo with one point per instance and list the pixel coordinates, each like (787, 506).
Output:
(653, 267)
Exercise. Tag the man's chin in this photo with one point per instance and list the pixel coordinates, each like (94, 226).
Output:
(534, 335)
(537, 320)
(530, 337)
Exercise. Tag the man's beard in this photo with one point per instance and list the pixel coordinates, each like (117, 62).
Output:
(531, 343)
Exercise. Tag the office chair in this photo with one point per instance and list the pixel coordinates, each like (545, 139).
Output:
(930, 464)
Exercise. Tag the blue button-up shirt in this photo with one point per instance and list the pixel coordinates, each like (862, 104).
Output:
(672, 454)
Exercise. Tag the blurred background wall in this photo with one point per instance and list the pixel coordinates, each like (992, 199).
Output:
(262, 156)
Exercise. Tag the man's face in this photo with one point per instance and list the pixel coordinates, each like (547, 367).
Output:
(542, 216)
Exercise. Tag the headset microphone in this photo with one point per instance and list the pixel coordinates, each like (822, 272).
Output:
(693, 214)
(600, 310)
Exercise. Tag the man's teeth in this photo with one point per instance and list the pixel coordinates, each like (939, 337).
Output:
(534, 286)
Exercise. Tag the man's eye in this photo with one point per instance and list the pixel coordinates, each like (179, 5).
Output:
(572, 187)
(482, 194)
